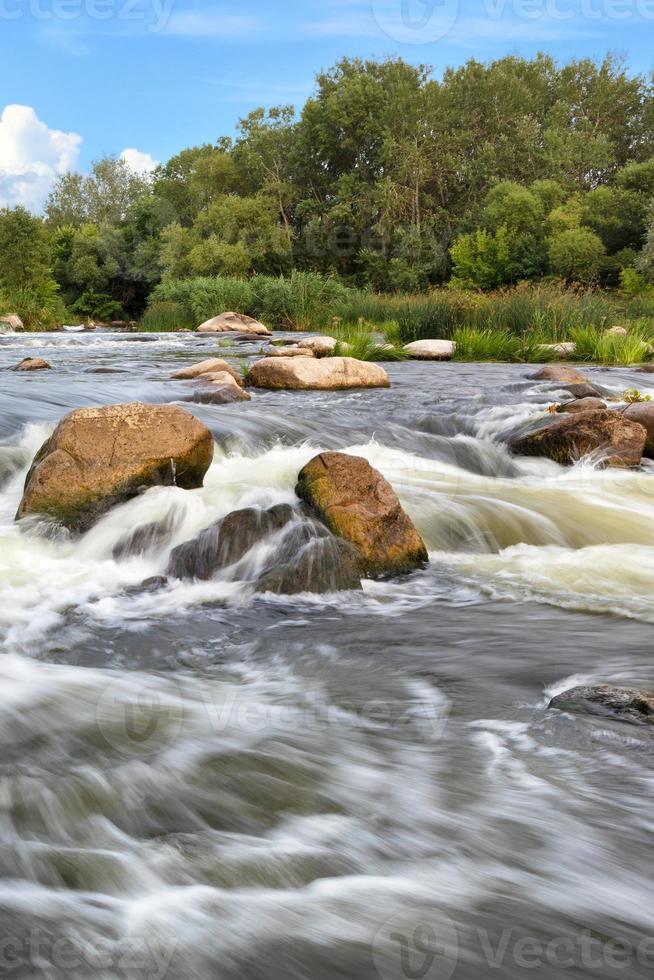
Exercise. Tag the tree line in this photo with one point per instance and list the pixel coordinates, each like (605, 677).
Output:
(387, 179)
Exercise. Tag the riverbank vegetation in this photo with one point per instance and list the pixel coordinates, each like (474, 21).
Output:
(515, 197)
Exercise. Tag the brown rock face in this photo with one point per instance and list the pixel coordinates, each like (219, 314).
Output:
(643, 413)
(32, 364)
(588, 404)
(358, 504)
(12, 321)
(560, 372)
(305, 373)
(99, 457)
(237, 322)
(616, 440)
(293, 350)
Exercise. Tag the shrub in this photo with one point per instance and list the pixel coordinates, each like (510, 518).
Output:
(166, 315)
(576, 255)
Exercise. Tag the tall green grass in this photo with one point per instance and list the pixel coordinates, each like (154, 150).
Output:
(165, 315)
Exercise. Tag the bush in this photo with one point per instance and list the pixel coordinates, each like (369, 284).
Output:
(97, 306)
(166, 315)
(576, 255)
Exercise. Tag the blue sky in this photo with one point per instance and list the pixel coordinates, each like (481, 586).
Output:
(159, 75)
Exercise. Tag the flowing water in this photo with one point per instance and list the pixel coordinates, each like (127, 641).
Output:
(200, 782)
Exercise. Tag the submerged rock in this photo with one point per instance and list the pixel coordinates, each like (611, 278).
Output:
(208, 366)
(613, 439)
(560, 372)
(145, 539)
(586, 404)
(233, 322)
(582, 390)
(99, 457)
(358, 504)
(310, 559)
(643, 413)
(227, 541)
(306, 373)
(622, 703)
(32, 364)
(431, 350)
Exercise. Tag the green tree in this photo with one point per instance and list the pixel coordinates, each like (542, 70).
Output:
(576, 255)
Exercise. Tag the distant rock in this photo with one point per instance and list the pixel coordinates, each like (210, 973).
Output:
(208, 366)
(358, 504)
(431, 350)
(32, 364)
(643, 413)
(622, 703)
(617, 332)
(99, 457)
(561, 373)
(612, 439)
(12, 321)
(562, 350)
(233, 322)
(306, 373)
(321, 346)
(586, 404)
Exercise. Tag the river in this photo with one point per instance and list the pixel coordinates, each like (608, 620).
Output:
(197, 782)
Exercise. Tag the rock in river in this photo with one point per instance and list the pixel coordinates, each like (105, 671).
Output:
(621, 703)
(237, 322)
(358, 504)
(561, 373)
(305, 373)
(431, 350)
(32, 364)
(99, 457)
(208, 366)
(613, 439)
(587, 404)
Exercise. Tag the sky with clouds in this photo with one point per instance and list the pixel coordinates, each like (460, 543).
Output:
(145, 78)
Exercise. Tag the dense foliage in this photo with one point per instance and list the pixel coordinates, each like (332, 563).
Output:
(388, 180)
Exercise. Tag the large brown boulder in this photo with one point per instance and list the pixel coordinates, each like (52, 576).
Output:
(358, 504)
(643, 413)
(99, 457)
(622, 703)
(321, 346)
(233, 322)
(613, 439)
(304, 373)
(12, 322)
(292, 350)
(561, 373)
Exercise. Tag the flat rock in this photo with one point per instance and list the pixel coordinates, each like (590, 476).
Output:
(617, 331)
(612, 439)
(208, 366)
(586, 404)
(643, 413)
(562, 350)
(294, 350)
(13, 321)
(358, 504)
(560, 372)
(622, 703)
(32, 364)
(306, 373)
(431, 350)
(233, 322)
(99, 457)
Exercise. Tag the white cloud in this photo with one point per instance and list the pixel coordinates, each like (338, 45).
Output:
(140, 163)
(211, 24)
(31, 157)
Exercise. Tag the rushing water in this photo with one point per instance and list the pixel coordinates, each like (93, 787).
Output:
(197, 782)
